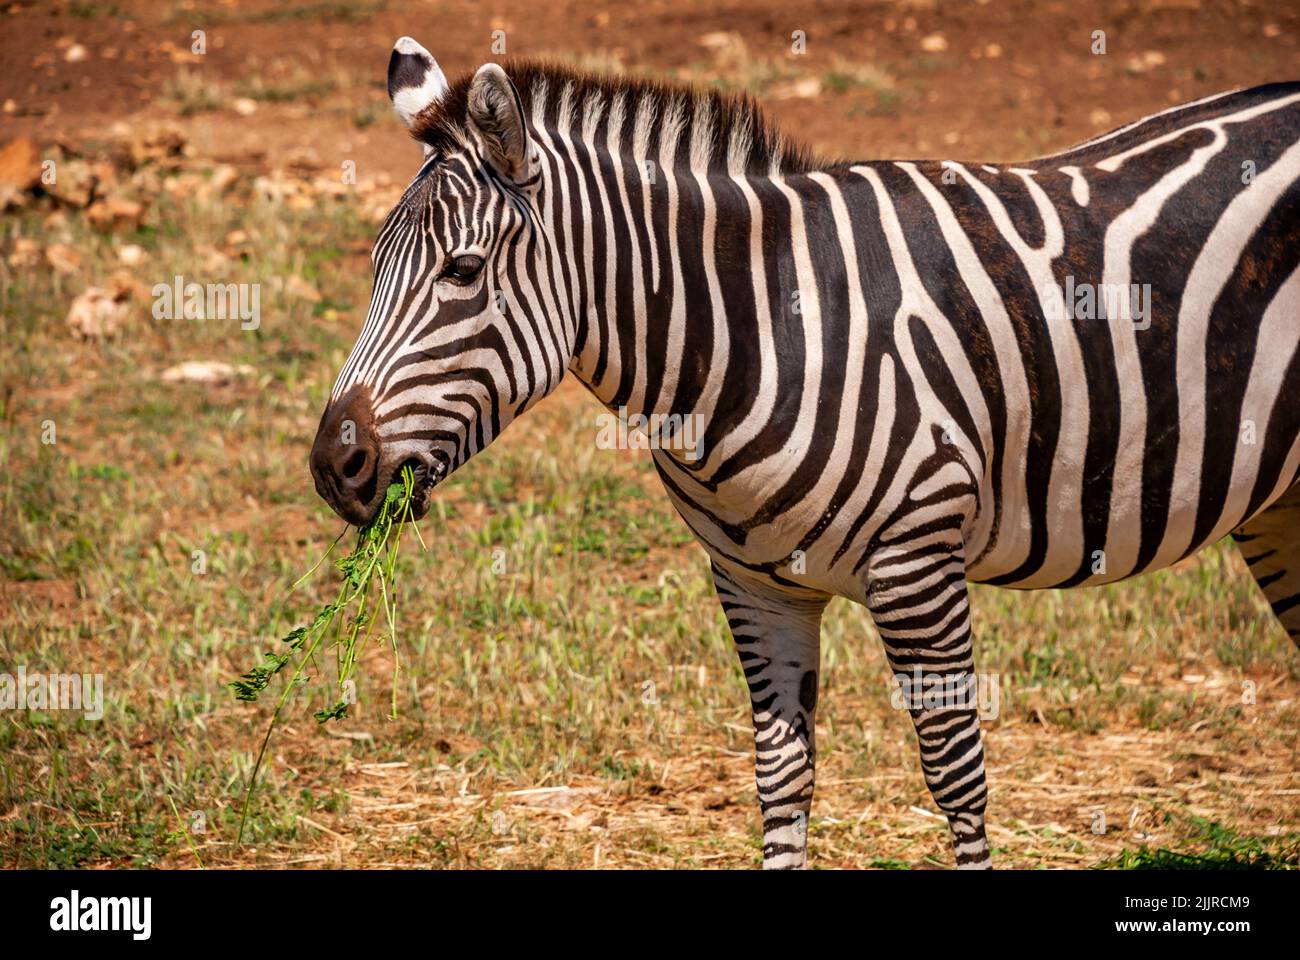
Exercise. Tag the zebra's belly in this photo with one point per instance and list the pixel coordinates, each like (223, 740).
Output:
(1174, 494)
(1068, 562)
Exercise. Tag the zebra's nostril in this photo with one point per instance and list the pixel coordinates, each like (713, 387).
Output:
(355, 464)
(345, 456)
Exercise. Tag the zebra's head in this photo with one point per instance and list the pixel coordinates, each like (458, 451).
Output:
(463, 332)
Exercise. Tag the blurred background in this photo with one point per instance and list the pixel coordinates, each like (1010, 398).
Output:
(157, 503)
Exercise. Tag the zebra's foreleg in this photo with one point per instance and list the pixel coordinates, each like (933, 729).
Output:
(778, 640)
(919, 605)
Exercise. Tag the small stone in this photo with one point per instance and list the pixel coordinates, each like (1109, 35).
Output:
(211, 372)
(96, 314)
(63, 258)
(20, 164)
(114, 214)
(934, 43)
(296, 286)
(276, 187)
(806, 88)
(73, 183)
(156, 145)
(25, 252)
(238, 244)
(223, 177)
(132, 255)
(123, 285)
(215, 263)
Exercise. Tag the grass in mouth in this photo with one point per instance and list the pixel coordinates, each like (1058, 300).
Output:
(347, 624)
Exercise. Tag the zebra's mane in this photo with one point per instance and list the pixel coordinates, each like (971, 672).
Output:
(718, 131)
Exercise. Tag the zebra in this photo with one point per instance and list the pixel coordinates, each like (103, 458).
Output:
(897, 397)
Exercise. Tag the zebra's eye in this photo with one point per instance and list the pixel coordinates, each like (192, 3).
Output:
(462, 269)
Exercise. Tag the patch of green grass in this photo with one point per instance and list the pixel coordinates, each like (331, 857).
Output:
(193, 92)
(1216, 847)
(311, 90)
(91, 11)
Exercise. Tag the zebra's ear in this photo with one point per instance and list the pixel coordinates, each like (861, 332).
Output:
(414, 79)
(497, 115)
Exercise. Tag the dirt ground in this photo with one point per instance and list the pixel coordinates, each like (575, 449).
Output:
(993, 80)
(1127, 701)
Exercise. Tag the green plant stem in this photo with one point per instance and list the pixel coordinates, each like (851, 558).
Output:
(188, 839)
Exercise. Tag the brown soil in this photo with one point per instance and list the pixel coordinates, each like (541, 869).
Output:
(983, 80)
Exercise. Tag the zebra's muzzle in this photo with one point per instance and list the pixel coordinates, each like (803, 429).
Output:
(346, 457)
(353, 467)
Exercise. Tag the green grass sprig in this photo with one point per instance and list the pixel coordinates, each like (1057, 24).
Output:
(373, 560)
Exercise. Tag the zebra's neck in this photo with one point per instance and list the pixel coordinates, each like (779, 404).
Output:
(659, 224)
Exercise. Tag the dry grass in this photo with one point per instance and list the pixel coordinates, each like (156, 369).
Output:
(525, 738)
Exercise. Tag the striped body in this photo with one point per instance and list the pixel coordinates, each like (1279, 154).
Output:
(922, 328)
(902, 376)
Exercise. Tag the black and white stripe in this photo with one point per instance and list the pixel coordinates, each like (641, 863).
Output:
(895, 403)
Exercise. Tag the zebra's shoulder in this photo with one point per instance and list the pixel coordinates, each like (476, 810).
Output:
(1285, 95)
